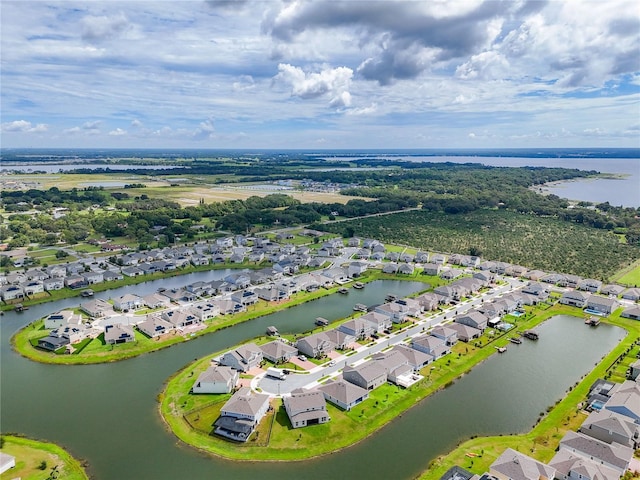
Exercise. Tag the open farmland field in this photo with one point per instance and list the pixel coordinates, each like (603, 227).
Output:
(536, 242)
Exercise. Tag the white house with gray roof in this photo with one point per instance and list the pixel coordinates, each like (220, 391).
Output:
(306, 408)
(278, 351)
(216, 379)
(432, 345)
(155, 326)
(118, 333)
(609, 427)
(473, 319)
(315, 345)
(575, 298)
(368, 375)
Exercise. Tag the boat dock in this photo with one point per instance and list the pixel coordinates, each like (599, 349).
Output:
(516, 340)
(322, 322)
(343, 290)
(273, 331)
(592, 321)
(359, 307)
(531, 335)
(501, 349)
(358, 285)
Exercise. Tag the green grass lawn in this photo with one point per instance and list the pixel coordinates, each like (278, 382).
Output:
(631, 276)
(30, 455)
(180, 409)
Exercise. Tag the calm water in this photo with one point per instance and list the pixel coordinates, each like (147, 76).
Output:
(624, 191)
(107, 414)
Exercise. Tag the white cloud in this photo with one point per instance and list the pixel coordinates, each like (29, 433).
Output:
(24, 126)
(333, 83)
(118, 132)
(99, 28)
(87, 128)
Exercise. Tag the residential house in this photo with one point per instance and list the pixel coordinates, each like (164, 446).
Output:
(60, 319)
(198, 260)
(625, 400)
(610, 427)
(216, 379)
(415, 358)
(33, 287)
(357, 328)
(432, 269)
(570, 281)
(96, 308)
(75, 282)
(368, 375)
(450, 273)
(438, 259)
(62, 336)
(243, 358)
(446, 333)
(272, 293)
(631, 294)
(155, 326)
(111, 276)
(390, 267)
(537, 289)
(244, 297)
(128, 302)
(241, 414)
(355, 269)
(465, 333)
(378, 321)
(395, 311)
(473, 319)
(601, 304)
(446, 294)
(572, 466)
(513, 465)
(205, 311)
(93, 277)
(155, 300)
(431, 345)
(428, 301)
(278, 351)
(575, 298)
(486, 277)
(180, 318)
(306, 408)
(590, 285)
(632, 312)
(406, 269)
(118, 333)
(343, 394)
(315, 345)
(54, 283)
(132, 272)
(612, 290)
(613, 455)
(340, 339)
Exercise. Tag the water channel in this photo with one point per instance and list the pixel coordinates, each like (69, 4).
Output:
(107, 414)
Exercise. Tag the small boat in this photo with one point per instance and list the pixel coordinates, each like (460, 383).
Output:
(516, 340)
(322, 322)
(20, 308)
(501, 349)
(87, 293)
(272, 331)
(343, 290)
(359, 307)
(391, 298)
(531, 335)
(358, 285)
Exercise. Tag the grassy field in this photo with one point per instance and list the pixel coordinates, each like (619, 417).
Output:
(629, 276)
(541, 442)
(30, 455)
(506, 236)
(190, 416)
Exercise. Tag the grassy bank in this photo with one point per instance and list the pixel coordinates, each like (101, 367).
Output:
(190, 416)
(541, 442)
(96, 351)
(36, 460)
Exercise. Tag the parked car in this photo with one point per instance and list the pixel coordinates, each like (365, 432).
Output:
(302, 357)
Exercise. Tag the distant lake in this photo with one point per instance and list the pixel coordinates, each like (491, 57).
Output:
(65, 167)
(623, 191)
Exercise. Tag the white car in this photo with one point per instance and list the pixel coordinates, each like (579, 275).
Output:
(332, 363)
(302, 357)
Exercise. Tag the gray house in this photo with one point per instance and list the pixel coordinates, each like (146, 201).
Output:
(473, 319)
(243, 358)
(278, 351)
(216, 379)
(118, 333)
(604, 305)
(368, 375)
(306, 408)
(241, 414)
(315, 345)
(575, 298)
(343, 394)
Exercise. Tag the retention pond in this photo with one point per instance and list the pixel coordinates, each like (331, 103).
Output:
(107, 414)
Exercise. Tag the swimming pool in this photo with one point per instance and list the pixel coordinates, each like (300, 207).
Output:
(594, 312)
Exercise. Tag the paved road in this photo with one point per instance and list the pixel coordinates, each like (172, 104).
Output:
(299, 380)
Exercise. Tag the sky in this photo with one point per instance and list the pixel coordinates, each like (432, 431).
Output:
(320, 74)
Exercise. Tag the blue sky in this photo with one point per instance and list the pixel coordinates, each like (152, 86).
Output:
(320, 74)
